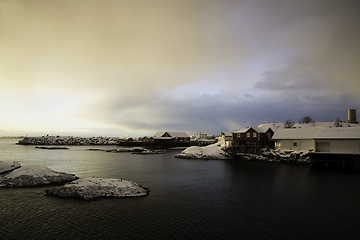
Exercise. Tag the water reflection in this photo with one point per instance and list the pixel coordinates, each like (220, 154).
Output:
(193, 199)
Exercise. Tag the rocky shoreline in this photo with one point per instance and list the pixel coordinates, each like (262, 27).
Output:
(53, 148)
(216, 152)
(276, 156)
(201, 156)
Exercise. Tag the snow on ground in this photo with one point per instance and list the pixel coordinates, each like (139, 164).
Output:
(34, 175)
(213, 151)
(8, 167)
(89, 188)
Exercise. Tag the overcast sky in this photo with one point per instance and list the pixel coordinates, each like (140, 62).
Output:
(119, 68)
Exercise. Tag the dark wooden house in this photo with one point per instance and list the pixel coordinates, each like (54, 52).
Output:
(252, 140)
(171, 139)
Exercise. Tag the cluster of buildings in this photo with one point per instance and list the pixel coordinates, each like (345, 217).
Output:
(167, 139)
(326, 137)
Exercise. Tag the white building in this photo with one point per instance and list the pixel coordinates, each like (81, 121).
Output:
(319, 139)
(202, 135)
(227, 136)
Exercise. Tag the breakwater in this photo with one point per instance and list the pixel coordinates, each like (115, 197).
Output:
(68, 140)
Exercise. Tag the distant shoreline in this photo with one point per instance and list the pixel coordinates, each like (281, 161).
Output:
(12, 136)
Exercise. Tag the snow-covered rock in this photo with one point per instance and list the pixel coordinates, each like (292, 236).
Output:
(34, 175)
(8, 167)
(133, 150)
(210, 152)
(270, 155)
(89, 188)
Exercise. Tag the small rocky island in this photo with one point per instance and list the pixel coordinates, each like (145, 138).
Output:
(33, 175)
(8, 167)
(15, 175)
(211, 152)
(133, 150)
(90, 188)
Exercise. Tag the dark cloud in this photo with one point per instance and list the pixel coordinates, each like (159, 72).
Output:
(213, 114)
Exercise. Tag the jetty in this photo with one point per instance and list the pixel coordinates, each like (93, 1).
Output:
(68, 140)
(345, 162)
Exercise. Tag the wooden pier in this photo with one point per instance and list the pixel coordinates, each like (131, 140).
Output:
(345, 162)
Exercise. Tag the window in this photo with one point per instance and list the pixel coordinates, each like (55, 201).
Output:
(238, 135)
(295, 144)
(248, 135)
(254, 135)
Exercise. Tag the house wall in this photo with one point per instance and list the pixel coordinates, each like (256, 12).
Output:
(250, 137)
(343, 145)
(244, 136)
(202, 135)
(227, 138)
(302, 145)
(266, 136)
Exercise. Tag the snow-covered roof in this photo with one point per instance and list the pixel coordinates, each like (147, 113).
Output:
(242, 130)
(227, 134)
(339, 133)
(295, 133)
(275, 126)
(257, 129)
(317, 133)
(172, 134)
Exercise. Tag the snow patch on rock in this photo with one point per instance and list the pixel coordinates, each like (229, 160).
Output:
(89, 188)
(211, 152)
(8, 167)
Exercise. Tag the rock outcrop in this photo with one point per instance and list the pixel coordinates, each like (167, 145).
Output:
(89, 188)
(8, 167)
(34, 175)
(133, 150)
(211, 152)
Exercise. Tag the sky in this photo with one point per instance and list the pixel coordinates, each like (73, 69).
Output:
(134, 68)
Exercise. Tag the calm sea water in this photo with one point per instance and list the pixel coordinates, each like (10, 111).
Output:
(189, 199)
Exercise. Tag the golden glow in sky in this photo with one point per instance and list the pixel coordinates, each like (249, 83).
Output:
(137, 67)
